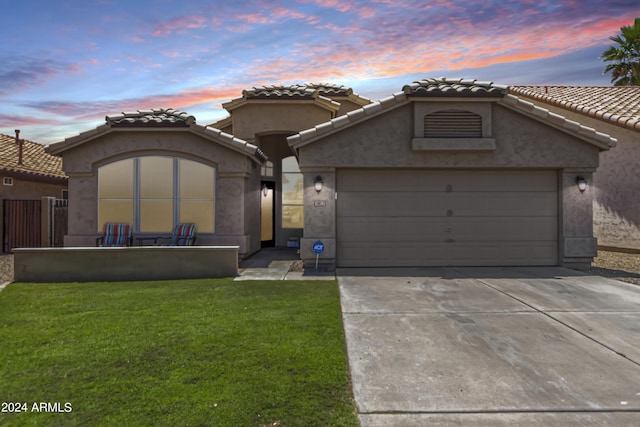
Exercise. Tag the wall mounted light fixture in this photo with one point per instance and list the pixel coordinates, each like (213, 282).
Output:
(317, 184)
(582, 183)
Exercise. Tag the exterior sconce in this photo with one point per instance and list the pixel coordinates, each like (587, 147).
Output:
(582, 183)
(317, 184)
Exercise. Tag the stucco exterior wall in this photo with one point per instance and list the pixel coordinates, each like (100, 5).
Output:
(385, 142)
(233, 181)
(616, 185)
(257, 117)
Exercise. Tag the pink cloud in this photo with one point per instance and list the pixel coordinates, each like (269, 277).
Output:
(180, 24)
(98, 109)
(13, 121)
(400, 46)
(275, 15)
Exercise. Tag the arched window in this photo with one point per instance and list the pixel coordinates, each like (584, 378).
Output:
(153, 193)
(292, 194)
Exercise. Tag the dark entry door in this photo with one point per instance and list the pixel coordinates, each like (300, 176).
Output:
(267, 213)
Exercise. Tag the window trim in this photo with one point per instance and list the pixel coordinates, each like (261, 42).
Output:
(176, 199)
(282, 193)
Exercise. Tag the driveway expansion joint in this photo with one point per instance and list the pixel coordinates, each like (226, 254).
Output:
(546, 313)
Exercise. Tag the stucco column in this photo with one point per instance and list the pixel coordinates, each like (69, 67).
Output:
(82, 227)
(319, 218)
(229, 219)
(577, 244)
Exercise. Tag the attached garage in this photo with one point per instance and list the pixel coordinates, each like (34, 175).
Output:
(394, 218)
(449, 172)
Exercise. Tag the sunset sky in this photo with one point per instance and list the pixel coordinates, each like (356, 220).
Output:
(65, 64)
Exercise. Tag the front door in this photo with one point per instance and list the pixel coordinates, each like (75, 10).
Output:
(267, 213)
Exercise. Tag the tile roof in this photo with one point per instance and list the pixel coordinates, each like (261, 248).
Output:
(454, 87)
(160, 117)
(35, 161)
(443, 87)
(280, 92)
(329, 89)
(232, 141)
(619, 105)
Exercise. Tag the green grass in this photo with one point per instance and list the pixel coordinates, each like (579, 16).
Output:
(177, 353)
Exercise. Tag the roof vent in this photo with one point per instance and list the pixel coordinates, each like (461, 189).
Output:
(453, 124)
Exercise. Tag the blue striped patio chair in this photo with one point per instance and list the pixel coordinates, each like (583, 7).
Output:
(115, 235)
(183, 235)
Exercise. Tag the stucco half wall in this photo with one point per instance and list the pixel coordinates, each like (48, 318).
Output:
(124, 264)
(383, 138)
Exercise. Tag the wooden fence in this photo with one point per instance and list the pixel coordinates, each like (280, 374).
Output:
(34, 223)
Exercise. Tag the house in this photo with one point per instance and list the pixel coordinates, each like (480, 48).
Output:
(445, 172)
(616, 184)
(28, 173)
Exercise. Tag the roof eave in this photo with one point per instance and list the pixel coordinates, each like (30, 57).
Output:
(623, 121)
(58, 148)
(345, 121)
(213, 134)
(585, 133)
(34, 176)
(229, 141)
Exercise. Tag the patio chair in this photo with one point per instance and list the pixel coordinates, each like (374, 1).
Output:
(115, 235)
(183, 235)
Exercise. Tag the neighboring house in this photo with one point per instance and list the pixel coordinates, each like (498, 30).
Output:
(616, 185)
(27, 173)
(446, 172)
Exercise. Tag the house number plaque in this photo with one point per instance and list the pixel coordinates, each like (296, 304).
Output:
(319, 203)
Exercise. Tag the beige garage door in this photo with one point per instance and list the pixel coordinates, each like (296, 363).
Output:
(435, 218)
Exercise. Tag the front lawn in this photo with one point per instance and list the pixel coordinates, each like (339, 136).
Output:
(200, 352)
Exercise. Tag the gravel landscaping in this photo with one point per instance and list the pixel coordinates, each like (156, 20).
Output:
(616, 265)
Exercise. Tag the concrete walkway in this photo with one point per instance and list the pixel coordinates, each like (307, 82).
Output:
(492, 347)
(275, 264)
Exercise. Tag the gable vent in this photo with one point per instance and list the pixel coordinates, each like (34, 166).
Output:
(453, 124)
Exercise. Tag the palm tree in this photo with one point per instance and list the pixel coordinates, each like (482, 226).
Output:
(624, 57)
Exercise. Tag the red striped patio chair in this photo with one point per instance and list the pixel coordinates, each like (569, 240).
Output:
(183, 235)
(115, 235)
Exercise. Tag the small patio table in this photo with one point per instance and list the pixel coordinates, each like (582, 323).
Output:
(142, 239)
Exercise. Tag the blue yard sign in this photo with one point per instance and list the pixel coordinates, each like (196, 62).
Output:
(318, 247)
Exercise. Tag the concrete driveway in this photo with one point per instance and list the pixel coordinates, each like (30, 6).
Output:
(492, 347)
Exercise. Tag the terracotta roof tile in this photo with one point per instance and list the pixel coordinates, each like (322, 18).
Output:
(454, 87)
(619, 105)
(602, 140)
(161, 117)
(276, 92)
(328, 89)
(35, 160)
